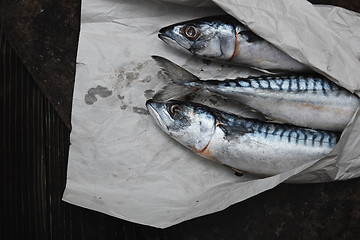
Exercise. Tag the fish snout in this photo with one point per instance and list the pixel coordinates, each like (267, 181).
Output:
(156, 111)
(165, 33)
(152, 108)
(149, 102)
(173, 36)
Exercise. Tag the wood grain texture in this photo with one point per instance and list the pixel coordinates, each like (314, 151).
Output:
(44, 35)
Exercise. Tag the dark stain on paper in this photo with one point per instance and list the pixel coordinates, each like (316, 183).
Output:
(146, 79)
(121, 98)
(91, 96)
(126, 76)
(130, 77)
(149, 93)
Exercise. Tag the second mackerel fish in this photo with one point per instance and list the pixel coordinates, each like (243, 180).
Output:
(310, 101)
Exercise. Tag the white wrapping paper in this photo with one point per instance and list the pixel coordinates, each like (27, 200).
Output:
(121, 164)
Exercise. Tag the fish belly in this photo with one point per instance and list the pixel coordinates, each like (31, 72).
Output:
(263, 155)
(317, 112)
(330, 111)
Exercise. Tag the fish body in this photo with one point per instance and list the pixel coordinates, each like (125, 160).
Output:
(248, 145)
(223, 38)
(310, 101)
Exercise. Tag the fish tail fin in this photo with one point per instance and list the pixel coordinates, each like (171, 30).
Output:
(176, 74)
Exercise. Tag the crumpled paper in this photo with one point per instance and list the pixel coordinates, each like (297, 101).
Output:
(121, 164)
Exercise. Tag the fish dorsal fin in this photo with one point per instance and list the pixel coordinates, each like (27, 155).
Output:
(177, 74)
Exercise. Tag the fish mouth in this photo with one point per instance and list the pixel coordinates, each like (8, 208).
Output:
(165, 38)
(172, 42)
(154, 111)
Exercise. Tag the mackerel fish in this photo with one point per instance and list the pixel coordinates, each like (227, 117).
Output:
(310, 101)
(223, 38)
(247, 145)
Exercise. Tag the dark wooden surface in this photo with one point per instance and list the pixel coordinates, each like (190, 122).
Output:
(37, 66)
(44, 34)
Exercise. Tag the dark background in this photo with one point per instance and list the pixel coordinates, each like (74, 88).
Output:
(37, 68)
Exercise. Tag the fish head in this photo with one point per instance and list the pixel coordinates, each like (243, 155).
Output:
(188, 123)
(206, 37)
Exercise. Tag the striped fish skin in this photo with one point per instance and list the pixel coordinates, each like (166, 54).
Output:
(248, 145)
(310, 101)
(223, 38)
(305, 100)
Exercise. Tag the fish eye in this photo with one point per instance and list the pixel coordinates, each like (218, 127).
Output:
(191, 32)
(175, 111)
